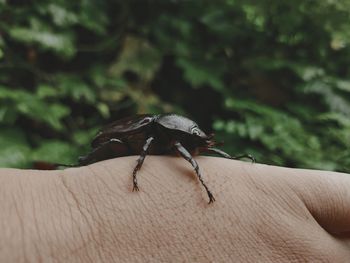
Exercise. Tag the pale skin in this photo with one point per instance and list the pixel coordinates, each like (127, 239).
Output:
(90, 214)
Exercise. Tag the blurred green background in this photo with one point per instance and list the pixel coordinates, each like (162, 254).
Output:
(269, 77)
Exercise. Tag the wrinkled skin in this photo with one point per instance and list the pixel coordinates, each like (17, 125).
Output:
(89, 214)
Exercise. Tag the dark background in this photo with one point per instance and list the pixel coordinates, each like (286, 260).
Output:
(269, 77)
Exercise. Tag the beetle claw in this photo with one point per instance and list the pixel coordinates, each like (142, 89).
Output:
(251, 157)
(211, 198)
(135, 188)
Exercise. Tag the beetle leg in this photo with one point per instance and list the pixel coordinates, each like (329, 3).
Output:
(140, 162)
(187, 156)
(249, 156)
(226, 155)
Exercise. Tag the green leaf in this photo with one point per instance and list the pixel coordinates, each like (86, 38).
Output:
(76, 88)
(343, 85)
(103, 109)
(62, 16)
(45, 37)
(14, 148)
(45, 91)
(84, 137)
(56, 152)
(93, 15)
(54, 114)
(137, 56)
(198, 74)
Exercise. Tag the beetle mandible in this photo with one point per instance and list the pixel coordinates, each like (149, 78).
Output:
(154, 134)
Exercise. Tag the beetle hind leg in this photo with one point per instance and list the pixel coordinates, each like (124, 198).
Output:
(248, 156)
(187, 156)
(226, 155)
(140, 162)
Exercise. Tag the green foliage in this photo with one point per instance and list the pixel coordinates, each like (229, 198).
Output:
(269, 77)
(38, 33)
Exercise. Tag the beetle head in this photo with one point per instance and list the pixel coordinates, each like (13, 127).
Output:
(179, 123)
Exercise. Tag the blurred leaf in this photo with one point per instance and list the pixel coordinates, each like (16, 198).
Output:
(76, 88)
(14, 149)
(84, 137)
(61, 16)
(197, 74)
(103, 109)
(335, 101)
(217, 20)
(54, 114)
(29, 105)
(56, 152)
(137, 56)
(343, 85)
(44, 91)
(45, 37)
(92, 15)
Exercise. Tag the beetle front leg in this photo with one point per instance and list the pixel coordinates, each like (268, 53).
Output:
(185, 154)
(140, 162)
(226, 155)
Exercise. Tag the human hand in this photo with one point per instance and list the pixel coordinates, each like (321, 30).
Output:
(89, 214)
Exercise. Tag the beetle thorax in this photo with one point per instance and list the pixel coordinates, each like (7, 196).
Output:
(179, 123)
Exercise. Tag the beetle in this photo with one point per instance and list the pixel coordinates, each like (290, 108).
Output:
(157, 135)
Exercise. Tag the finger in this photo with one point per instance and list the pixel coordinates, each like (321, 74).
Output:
(327, 197)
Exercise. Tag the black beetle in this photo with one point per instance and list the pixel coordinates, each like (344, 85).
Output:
(153, 134)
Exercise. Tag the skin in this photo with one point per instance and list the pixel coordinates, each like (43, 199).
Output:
(90, 214)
